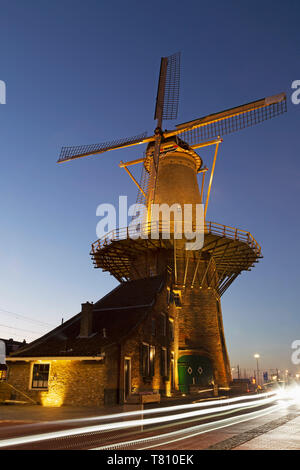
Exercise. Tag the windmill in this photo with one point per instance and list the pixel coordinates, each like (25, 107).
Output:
(197, 280)
(197, 133)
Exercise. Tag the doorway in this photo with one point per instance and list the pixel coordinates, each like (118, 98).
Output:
(194, 370)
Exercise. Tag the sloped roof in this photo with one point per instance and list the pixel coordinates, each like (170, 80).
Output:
(119, 312)
(12, 345)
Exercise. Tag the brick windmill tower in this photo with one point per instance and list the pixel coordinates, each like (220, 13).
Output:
(196, 278)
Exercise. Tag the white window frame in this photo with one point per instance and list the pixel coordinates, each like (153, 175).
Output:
(31, 375)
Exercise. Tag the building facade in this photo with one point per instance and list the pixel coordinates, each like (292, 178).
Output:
(113, 351)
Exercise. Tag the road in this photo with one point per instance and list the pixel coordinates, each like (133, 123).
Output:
(232, 423)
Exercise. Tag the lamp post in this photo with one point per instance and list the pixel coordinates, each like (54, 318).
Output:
(257, 356)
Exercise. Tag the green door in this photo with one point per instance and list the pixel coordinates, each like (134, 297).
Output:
(194, 370)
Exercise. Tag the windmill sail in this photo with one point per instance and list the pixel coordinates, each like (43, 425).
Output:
(166, 101)
(231, 120)
(168, 88)
(70, 153)
(170, 108)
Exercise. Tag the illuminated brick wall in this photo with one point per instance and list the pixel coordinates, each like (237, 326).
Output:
(70, 382)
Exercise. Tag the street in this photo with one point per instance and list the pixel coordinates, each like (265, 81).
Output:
(266, 420)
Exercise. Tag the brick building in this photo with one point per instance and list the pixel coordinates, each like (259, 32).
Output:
(137, 341)
(122, 345)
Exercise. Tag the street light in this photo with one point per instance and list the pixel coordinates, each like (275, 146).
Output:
(257, 356)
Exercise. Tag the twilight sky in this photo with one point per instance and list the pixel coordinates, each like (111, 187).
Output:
(82, 72)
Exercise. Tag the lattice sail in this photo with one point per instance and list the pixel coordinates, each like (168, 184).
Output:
(70, 153)
(168, 88)
(232, 120)
(170, 108)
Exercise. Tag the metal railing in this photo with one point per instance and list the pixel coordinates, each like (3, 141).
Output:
(156, 229)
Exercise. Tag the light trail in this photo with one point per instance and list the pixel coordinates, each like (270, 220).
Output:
(195, 430)
(165, 409)
(257, 401)
(285, 398)
(222, 424)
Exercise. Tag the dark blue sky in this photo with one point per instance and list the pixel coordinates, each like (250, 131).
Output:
(85, 72)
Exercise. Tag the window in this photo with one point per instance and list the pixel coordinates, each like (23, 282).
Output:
(3, 372)
(168, 296)
(152, 360)
(177, 298)
(163, 324)
(147, 360)
(152, 271)
(171, 329)
(40, 376)
(163, 362)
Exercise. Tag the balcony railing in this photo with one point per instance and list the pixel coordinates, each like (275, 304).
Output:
(148, 229)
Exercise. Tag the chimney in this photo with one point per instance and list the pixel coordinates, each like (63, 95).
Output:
(86, 320)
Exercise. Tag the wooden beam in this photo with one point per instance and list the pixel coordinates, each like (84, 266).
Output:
(211, 179)
(134, 180)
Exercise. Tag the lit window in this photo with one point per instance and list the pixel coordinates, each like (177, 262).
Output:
(40, 376)
(163, 324)
(171, 329)
(3, 371)
(152, 360)
(177, 298)
(147, 360)
(163, 362)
